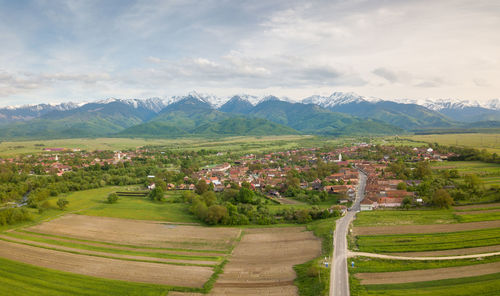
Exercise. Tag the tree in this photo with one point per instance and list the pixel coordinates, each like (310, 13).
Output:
(422, 170)
(245, 195)
(406, 202)
(401, 186)
(112, 198)
(216, 213)
(156, 194)
(62, 203)
(201, 187)
(442, 199)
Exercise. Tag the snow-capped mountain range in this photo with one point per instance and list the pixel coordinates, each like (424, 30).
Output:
(156, 104)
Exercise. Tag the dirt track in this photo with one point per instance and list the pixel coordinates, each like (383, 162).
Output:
(434, 228)
(427, 275)
(139, 233)
(166, 274)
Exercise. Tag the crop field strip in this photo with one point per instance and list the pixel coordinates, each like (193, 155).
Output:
(368, 265)
(139, 233)
(105, 253)
(125, 247)
(433, 228)
(485, 216)
(428, 242)
(34, 280)
(136, 271)
(398, 277)
(153, 260)
(486, 285)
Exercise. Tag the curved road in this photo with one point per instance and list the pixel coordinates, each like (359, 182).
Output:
(339, 277)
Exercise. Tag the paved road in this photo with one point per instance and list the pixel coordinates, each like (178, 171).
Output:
(339, 277)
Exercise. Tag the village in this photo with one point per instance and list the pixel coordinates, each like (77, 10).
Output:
(267, 173)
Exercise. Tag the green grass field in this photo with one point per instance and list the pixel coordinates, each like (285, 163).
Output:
(486, 285)
(366, 264)
(403, 217)
(22, 279)
(428, 242)
(490, 142)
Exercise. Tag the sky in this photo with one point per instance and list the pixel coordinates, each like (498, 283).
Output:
(58, 51)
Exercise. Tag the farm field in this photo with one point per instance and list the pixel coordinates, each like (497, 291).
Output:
(34, 280)
(250, 144)
(139, 233)
(262, 263)
(488, 285)
(490, 142)
(399, 217)
(179, 257)
(182, 258)
(399, 277)
(462, 230)
(428, 241)
(433, 228)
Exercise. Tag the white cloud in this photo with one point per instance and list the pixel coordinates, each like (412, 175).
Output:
(390, 49)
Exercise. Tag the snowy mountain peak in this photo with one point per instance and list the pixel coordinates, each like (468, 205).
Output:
(336, 99)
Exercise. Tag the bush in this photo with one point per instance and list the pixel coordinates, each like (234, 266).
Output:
(62, 203)
(112, 198)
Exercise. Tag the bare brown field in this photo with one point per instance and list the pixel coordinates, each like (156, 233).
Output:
(262, 263)
(267, 291)
(434, 228)
(139, 233)
(480, 206)
(97, 253)
(455, 252)
(400, 277)
(146, 272)
(477, 212)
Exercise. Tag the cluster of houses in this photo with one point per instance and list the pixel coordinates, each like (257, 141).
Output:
(381, 191)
